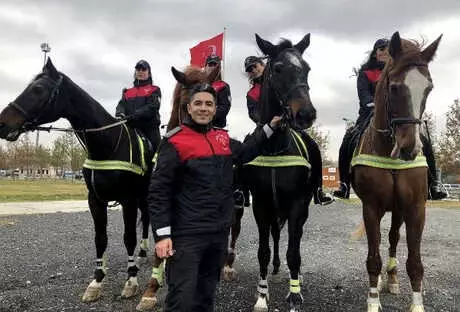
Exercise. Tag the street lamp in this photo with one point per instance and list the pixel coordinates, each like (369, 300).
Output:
(45, 47)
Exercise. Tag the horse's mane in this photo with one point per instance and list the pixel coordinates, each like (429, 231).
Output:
(193, 76)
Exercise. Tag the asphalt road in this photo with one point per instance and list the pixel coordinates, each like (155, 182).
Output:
(47, 261)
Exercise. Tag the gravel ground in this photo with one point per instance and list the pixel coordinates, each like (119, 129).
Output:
(47, 261)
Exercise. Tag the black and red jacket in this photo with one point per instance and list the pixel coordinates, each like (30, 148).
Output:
(252, 101)
(367, 81)
(142, 104)
(224, 102)
(190, 190)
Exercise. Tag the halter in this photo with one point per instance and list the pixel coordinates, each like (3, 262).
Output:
(397, 121)
(31, 124)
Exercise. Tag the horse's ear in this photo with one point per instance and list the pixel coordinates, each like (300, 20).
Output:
(50, 69)
(429, 52)
(180, 76)
(395, 48)
(303, 44)
(265, 46)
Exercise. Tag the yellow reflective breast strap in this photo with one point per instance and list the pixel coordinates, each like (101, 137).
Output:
(141, 151)
(113, 165)
(280, 161)
(387, 162)
(297, 138)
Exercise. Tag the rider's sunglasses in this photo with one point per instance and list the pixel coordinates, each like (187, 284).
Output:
(250, 68)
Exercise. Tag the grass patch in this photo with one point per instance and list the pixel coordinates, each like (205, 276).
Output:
(41, 189)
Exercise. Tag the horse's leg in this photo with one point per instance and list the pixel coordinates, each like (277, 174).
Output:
(130, 240)
(372, 218)
(229, 272)
(276, 233)
(297, 217)
(415, 222)
(144, 243)
(263, 253)
(392, 265)
(99, 213)
(149, 298)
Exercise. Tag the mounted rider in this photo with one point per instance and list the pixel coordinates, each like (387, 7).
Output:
(140, 105)
(254, 67)
(368, 76)
(223, 95)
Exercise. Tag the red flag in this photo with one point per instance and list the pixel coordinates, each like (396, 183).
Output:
(201, 51)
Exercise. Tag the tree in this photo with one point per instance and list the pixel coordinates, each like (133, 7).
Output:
(58, 154)
(321, 138)
(67, 153)
(449, 145)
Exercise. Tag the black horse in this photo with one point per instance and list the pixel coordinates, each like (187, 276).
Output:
(117, 169)
(279, 179)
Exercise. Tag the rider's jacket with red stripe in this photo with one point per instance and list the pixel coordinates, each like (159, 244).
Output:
(191, 186)
(141, 103)
(224, 102)
(367, 81)
(252, 101)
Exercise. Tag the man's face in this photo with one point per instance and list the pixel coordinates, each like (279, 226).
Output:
(142, 73)
(202, 108)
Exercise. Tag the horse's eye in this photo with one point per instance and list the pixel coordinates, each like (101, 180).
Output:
(38, 89)
(394, 88)
(278, 67)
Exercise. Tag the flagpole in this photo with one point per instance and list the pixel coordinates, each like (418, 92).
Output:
(223, 54)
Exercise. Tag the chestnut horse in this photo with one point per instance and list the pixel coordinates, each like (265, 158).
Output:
(388, 172)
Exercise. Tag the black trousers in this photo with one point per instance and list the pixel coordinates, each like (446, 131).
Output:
(316, 161)
(193, 272)
(152, 134)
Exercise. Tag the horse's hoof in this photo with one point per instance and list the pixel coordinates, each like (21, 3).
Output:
(131, 288)
(93, 292)
(374, 307)
(417, 308)
(261, 304)
(146, 304)
(229, 274)
(393, 288)
(379, 283)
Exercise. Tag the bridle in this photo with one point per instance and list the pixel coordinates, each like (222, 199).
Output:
(392, 122)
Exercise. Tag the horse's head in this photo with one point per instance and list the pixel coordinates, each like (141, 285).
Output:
(286, 77)
(36, 105)
(403, 90)
(185, 82)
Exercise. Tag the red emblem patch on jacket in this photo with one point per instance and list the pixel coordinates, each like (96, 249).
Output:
(254, 93)
(140, 91)
(373, 75)
(218, 85)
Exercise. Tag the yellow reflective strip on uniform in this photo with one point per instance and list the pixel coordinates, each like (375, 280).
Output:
(280, 161)
(141, 151)
(387, 162)
(294, 286)
(112, 165)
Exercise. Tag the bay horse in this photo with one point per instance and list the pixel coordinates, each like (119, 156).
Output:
(116, 168)
(279, 179)
(388, 173)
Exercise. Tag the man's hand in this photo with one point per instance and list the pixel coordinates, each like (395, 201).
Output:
(163, 248)
(275, 122)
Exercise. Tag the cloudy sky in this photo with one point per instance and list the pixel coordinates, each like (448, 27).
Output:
(97, 43)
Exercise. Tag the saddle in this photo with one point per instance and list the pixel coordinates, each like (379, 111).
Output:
(133, 160)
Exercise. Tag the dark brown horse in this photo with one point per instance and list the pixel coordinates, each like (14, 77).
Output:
(388, 173)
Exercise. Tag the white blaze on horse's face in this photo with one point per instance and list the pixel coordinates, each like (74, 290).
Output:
(419, 86)
(417, 83)
(294, 60)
